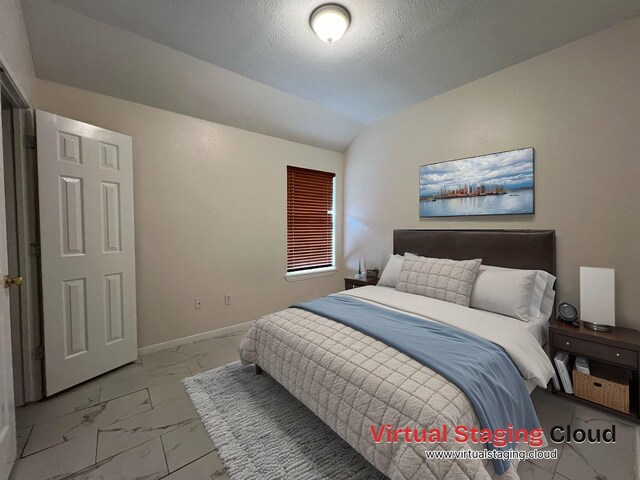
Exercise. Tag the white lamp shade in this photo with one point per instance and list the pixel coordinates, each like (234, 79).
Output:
(597, 295)
(330, 22)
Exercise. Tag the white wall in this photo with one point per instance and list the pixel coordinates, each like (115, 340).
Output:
(15, 53)
(578, 106)
(210, 214)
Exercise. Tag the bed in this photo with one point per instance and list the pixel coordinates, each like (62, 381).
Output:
(353, 381)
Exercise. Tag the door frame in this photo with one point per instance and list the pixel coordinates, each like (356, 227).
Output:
(28, 253)
(28, 240)
(7, 405)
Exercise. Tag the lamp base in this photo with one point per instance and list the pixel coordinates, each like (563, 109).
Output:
(597, 327)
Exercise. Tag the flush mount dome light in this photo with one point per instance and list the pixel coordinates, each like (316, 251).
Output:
(330, 22)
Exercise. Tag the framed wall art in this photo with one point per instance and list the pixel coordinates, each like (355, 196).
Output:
(495, 184)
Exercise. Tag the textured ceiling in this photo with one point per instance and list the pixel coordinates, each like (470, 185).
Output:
(396, 53)
(72, 49)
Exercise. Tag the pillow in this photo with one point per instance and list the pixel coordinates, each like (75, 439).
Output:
(507, 292)
(546, 310)
(438, 278)
(391, 272)
(541, 296)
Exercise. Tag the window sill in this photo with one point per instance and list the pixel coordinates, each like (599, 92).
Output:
(309, 274)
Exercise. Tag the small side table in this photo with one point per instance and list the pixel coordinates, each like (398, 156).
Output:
(350, 282)
(619, 349)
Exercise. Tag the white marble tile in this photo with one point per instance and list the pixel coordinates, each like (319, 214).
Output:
(59, 461)
(588, 413)
(171, 356)
(208, 467)
(598, 461)
(124, 371)
(530, 471)
(240, 333)
(136, 378)
(144, 462)
(72, 425)
(133, 431)
(227, 343)
(5, 470)
(70, 401)
(225, 350)
(186, 444)
(166, 392)
(22, 435)
(552, 410)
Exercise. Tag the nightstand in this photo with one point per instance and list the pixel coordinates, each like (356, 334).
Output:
(617, 350)
(350, 282)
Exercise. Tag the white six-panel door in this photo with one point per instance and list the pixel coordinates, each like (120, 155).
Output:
(85, 184)
(7, 417)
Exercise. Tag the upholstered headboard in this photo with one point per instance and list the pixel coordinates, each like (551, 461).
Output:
(526, 249)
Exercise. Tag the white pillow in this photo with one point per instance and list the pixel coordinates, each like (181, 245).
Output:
(540, 296)
(543, 295)
(391, 272)
(507, 292)
(546, 310)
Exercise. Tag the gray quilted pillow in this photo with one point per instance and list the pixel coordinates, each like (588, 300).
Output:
(439, 278)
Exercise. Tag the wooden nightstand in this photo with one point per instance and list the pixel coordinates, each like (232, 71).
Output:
(350, 282)
(619, 349)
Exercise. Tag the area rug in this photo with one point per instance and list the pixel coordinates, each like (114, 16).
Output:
(262, 432)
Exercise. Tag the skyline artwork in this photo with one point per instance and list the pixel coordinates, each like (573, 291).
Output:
(495, 184)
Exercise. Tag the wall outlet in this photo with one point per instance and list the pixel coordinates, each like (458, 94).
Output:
(227, 299)
(198, 303)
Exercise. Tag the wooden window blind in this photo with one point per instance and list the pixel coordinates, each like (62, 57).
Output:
(309, 219)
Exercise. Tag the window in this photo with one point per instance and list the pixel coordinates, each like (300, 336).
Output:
(310, 219)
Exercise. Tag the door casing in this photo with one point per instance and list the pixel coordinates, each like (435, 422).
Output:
(28, 338)
(7, 413)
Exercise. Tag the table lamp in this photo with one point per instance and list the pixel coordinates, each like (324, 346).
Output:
(597, 298)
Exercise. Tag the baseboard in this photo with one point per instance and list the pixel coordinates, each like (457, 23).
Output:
(220, 332)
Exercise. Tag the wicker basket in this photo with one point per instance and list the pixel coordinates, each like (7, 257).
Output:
(604, 388)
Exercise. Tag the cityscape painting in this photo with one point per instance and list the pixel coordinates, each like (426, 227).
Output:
(495, 184)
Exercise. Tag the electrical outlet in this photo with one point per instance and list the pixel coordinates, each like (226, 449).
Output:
(198, 303)
(227, 299)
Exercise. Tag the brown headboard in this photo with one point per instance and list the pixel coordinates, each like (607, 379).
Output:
(526, 249)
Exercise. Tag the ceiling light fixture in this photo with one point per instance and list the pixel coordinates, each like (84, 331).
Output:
(330, 22)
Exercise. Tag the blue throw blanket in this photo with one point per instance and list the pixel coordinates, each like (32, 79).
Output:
(481, 369)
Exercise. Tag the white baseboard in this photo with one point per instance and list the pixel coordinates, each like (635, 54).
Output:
(220, 332)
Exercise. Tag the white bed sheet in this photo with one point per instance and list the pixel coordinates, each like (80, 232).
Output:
(539, 329)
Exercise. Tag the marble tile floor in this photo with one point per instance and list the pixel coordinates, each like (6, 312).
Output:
(619, 461)
(137, 423)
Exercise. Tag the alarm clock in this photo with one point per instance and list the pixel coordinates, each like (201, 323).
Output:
(568, 313)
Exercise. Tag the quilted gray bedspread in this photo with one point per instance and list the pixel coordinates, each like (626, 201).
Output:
(352, 381)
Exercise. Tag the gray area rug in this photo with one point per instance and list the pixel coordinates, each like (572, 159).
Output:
(262, 432)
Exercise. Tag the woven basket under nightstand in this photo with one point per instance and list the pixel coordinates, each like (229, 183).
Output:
(612, 392)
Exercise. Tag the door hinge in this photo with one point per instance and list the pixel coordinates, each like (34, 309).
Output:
(38, 352)
(29, 141)
(34, 249)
